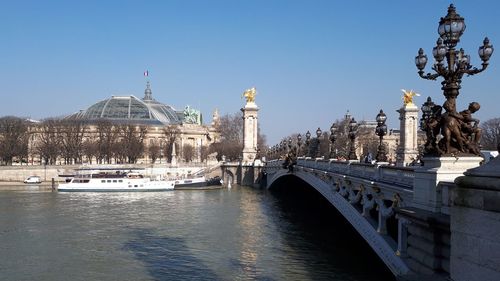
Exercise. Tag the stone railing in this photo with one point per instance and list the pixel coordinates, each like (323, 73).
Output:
(398, 176)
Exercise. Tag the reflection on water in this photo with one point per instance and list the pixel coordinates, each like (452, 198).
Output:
(237, 234)
(167, 258)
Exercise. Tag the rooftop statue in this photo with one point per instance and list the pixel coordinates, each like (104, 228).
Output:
(191, 115)
(250, 94)
(408, 96)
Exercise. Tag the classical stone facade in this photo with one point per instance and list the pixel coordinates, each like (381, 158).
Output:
(163, 124)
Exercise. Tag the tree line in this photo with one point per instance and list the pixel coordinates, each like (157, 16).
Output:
(68, 141)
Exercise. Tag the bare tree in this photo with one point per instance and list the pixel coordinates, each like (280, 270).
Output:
(49, 141)
(89, 149)
(230, 127)
(490, 134)
(154, 151)
(204, 153)
(106, 137)
(72, 133)
(188, 152)
(132, 142)
(368, 142)
(261, 143)
(342, 142)
(172, 134)
(231, 136)
(13, 139)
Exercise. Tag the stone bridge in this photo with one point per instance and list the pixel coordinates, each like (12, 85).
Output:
(378, 201)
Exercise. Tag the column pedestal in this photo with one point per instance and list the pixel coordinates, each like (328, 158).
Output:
(426, 192)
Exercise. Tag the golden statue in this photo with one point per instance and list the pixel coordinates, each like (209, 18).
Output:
(408, 96)
(250, 94)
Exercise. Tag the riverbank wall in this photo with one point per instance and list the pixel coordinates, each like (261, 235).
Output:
(19, 173)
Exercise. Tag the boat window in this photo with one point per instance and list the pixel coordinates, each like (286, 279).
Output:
(103, 180)
(114, 180)
(120, 180)
(109, 180)
(129, 185)
(135, 185)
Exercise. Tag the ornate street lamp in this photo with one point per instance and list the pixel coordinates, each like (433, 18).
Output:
(333, 130)
(353, 126)
(308, 142)
(299, 143)
(451, 27)
(381, 131)
(318, 142)
(429, 123)
(426, 112)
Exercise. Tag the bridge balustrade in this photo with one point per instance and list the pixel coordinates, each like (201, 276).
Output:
(399, 176)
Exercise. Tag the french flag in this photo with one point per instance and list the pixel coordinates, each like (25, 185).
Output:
(146, 73)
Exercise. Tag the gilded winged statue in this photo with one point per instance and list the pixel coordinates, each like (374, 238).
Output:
(250, 94)
(408, 96)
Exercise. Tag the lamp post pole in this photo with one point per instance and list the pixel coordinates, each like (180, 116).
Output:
(308, 143)
(299, 143)
(333, 130)
(353, 126)
(283, 147)
(381, 131)
(318, 142)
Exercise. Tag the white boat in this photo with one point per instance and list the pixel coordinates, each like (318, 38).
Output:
(197, 182)
(108, 181)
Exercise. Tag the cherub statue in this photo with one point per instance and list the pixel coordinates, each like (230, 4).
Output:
(408, 96)
(461, 132)
(250, 94)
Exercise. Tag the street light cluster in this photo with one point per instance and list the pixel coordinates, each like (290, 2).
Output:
(456, 139)
(290, 148)
(460, 132)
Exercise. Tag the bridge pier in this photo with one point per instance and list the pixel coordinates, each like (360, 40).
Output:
(245, 174)
(424, 243)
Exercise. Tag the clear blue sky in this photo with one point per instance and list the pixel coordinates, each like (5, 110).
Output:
(310, 60)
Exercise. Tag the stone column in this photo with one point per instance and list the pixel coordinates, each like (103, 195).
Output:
(475, 224)
(249, 132)
(408, 147)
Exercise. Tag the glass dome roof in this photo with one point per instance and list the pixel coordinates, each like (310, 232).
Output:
(131, 109)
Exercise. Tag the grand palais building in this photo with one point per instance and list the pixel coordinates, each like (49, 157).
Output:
(157, 118)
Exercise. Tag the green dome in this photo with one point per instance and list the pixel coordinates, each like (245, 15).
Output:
(130, 109)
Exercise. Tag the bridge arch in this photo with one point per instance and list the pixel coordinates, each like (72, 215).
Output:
(228, 178)
(343, 199)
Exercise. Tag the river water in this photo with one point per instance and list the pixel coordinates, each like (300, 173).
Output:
(227, 234)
